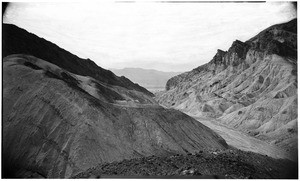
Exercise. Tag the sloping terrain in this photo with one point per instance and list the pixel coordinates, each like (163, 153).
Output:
(207, 164)
(18, 41)
(152, 80)
(57, 123)
(252, 87)
(243, 141)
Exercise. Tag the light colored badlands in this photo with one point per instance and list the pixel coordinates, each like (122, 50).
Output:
(258, 97)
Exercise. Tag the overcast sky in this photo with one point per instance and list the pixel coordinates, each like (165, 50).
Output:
(162, 36)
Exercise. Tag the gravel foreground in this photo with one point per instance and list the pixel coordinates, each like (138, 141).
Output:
(224, 164)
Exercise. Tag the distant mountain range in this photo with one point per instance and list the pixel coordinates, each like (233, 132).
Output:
(148, 78)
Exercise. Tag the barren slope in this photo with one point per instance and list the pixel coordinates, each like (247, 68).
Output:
(245, 142)
(252, 87)
(56, 124)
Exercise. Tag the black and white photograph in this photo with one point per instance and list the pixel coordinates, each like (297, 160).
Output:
(122, 89)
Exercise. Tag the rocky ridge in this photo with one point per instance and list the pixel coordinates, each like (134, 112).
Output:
(19, 41)
(251, 87)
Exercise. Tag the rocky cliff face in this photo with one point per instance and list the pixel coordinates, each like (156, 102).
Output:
(251, 87)
(57, 123)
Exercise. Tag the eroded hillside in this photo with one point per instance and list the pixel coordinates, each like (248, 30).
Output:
(57, 124)
(251, 87)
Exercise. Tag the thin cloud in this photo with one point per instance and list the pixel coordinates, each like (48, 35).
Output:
(175, 34)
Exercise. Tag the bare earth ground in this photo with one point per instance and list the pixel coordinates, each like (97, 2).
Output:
(244, 142)
(207, 164)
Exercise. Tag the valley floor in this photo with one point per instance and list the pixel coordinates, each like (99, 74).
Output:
(244, 142)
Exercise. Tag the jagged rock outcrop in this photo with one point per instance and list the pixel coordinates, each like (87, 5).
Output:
(57, 123)
(251, 87)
